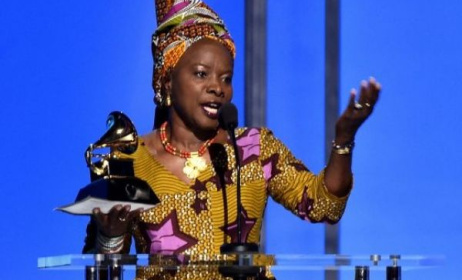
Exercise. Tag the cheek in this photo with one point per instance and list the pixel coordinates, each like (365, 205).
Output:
(229, 94)
(183, 91)
(227, 89)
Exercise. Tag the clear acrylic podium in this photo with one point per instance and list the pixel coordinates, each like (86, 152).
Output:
(112, 267)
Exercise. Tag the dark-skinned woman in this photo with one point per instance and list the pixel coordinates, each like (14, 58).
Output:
(193, 71)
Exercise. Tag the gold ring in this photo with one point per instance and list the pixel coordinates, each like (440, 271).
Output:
(358, 106)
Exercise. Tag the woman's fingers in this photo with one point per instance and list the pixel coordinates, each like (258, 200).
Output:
(363, 90)
(360, 107)
(98, 215)
(123, 214)
(116, 221)
(96, 211)
(135, 213)
(368, 95)
(113, 214)
(369, 92)
(118, 213)
(352, 100)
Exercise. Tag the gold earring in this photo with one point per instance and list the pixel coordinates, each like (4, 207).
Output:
(168, 101)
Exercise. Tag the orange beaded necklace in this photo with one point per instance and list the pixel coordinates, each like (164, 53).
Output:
(195, 163)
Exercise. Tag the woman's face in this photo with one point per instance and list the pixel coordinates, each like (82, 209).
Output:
(199, 84)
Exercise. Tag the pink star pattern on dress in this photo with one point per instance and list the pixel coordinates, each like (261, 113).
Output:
(166, 237)
(269, 167)
(305, 206)
(249, 145)
(247, 225)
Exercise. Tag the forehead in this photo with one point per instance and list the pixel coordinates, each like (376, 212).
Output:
(206, 51)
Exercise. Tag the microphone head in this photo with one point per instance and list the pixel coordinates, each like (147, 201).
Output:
(227, 116)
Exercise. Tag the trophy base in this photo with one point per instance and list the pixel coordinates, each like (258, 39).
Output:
(119, 188)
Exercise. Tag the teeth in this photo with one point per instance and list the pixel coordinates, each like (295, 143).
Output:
(211, 110)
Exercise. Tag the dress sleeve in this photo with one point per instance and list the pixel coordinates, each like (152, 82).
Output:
(291, 184)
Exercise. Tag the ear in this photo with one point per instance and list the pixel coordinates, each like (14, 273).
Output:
(167, 81)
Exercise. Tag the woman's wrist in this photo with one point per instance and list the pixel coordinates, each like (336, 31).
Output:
(109, 245)
(343, 147)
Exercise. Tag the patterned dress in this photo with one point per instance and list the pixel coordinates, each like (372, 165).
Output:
(197, 218)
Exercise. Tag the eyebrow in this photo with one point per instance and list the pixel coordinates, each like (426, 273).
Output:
(201, 64)
(208, 67)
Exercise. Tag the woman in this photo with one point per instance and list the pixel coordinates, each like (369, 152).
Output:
(188, 160)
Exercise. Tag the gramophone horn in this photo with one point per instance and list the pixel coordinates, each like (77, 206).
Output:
(121, 134)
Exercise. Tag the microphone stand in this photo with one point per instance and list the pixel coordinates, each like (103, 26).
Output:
(238, 187)
(244, 267)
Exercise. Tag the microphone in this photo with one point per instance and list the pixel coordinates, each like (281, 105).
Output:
(227, 117)
(227, 120)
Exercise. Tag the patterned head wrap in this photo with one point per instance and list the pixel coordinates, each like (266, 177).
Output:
(180, 23)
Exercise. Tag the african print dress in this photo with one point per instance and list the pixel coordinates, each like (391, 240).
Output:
(197, 218)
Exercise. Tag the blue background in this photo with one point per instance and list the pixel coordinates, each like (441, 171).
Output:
(66, 64)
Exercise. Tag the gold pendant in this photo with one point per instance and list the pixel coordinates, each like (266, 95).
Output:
(194, 166)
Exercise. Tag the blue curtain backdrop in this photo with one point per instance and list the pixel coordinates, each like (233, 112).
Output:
(66, 64)
(407, 160)
(295, 112)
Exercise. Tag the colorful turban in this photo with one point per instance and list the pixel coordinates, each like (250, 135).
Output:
(180, 23)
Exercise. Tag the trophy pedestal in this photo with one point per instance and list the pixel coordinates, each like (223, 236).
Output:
(119, 184)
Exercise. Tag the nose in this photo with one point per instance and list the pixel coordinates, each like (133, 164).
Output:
(214, 87)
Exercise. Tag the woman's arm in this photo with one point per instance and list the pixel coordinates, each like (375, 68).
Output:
(338, 175)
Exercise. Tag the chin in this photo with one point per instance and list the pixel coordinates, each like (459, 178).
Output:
(209, 125)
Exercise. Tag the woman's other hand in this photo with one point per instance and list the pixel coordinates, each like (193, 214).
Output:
(116, 222)
(357, 111)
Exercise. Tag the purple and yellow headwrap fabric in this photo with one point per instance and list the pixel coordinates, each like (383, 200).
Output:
(180, 23)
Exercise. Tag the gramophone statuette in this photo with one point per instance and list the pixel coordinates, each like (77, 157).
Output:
(121, 134)
(112, 178)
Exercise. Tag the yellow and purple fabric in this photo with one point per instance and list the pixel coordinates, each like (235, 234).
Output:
(197, 217)
(179, 25)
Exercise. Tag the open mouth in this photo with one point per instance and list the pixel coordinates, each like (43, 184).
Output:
(211, 109)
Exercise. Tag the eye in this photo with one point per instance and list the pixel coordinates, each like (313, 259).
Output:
(200, 74)
(228, 79)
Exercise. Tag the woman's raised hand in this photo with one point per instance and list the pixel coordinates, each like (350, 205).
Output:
(357, 111)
